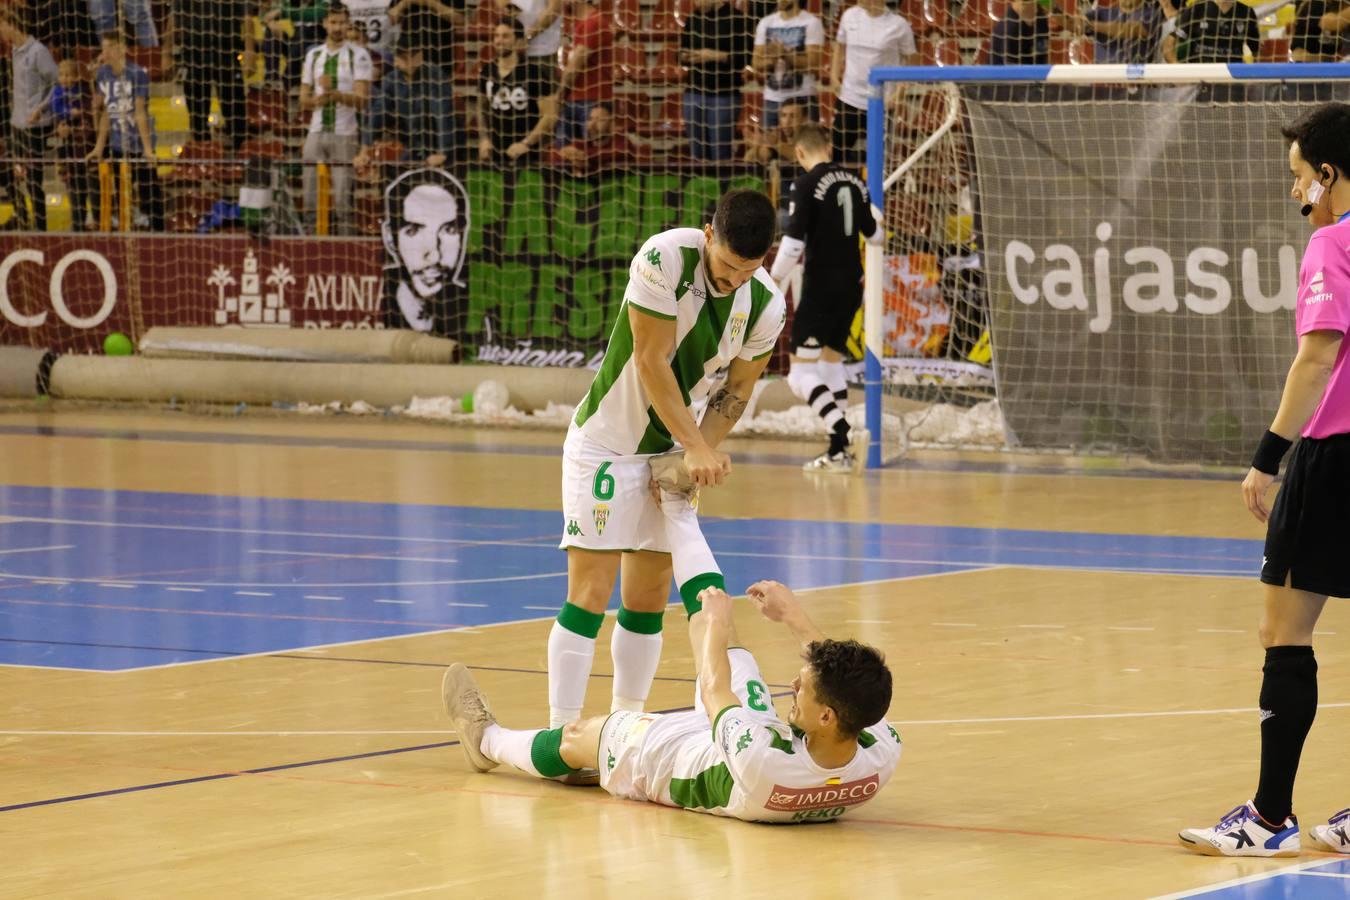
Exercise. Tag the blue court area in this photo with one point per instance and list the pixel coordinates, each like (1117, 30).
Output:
(1314, 881)
(111, 580)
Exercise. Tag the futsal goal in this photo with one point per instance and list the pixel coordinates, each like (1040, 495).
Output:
(1083, 258)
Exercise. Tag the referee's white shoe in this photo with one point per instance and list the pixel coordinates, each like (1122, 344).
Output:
(1242, 832)
(1334, 835)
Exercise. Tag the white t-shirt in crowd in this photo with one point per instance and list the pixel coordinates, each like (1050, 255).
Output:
(871, 41)
(546, 42)
(797, 33)
(353, 65)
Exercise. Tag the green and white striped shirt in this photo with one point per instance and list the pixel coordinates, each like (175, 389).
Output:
(668, 280)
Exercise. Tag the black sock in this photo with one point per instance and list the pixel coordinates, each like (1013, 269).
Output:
(839, 437)
(1288, 706)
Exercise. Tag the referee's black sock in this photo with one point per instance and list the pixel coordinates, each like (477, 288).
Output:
(1288, 706)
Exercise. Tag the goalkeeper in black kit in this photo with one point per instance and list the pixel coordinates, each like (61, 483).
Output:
(829, 210)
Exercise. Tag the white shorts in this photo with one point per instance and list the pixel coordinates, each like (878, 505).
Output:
(606, 499)
(627, 771)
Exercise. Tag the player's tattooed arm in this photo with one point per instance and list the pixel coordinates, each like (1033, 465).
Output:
(728, 405)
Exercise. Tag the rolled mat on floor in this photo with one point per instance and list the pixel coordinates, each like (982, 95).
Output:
(25, 371)
(298, 344)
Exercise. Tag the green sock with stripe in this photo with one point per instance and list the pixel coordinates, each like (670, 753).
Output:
(690, 589)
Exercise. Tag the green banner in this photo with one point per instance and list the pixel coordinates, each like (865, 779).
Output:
(549, 254)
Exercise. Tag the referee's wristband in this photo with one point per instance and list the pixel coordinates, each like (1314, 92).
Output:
(1269, 453)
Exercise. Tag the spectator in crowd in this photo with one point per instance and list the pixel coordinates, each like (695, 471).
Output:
(517, 103)
(413, 105)
(869, 35)
(789, 46)
(291, 27)
(1124, 32)
(543, 27)
(1022, 36)
(716, 45)
(122, 97)
(1318, 29)
(432, 25)
(334, 88)
(134, 17)
(33, 78)
(588, 77)
(776, 150)
(1213, 31)
(212, 35)
(601, 148)
(373, 28)
(73, 115)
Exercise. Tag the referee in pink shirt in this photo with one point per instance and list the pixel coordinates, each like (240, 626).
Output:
(1307, 533)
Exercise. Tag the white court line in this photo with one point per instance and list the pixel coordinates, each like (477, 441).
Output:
(470, 605)
(109, 584)
(251, 594)
(867, 621)
(1042, 626)
(337, 584)
(463, 629)
(1084, 716)
(399, 602)
(186, 590)
(211, 733)
(955, 624)
(1295, 869)
(56, 581)
(1221, 631)
(37, 549)
(355, 556)
(551, 609)
(314, 596)
(1129, 628)
(1325, 874)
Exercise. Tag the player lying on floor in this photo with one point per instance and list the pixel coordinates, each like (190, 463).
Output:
(833, 754)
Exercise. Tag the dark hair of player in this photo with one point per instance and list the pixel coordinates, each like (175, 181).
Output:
(851, 679)
(1323, 136)
(811, 137)
(745, 221)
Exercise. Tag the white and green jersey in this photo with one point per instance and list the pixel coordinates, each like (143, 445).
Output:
(755, 767)
(668, 279)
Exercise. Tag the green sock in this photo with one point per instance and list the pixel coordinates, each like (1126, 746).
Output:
(640, 622)
(689, 590)
(579, 621)
(546, 754)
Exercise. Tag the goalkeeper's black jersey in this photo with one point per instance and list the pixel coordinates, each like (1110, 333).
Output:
(829, 211)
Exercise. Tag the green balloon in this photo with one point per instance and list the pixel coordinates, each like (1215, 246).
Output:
(118, 344)
(466, 402)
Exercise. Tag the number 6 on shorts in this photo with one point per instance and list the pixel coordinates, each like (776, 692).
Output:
(603, 488)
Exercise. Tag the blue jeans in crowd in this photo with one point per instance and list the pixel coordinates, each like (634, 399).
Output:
(135, 12)
(572, 121)
(710, 122)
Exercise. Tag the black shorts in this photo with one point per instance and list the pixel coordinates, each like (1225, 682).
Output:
(1306, 538)
(824, 317)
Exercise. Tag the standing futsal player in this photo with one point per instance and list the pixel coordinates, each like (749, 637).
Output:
(1304, 560)
(829, 210)
(698, 302)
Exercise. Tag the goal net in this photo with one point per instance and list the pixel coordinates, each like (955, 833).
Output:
(1084, 258)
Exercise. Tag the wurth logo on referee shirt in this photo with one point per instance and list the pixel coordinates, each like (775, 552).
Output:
(1317, 292)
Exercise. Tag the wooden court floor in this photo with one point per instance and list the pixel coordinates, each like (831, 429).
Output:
(1060, 722)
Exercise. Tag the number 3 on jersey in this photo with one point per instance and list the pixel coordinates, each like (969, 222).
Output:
(603, 487)
(757, 696)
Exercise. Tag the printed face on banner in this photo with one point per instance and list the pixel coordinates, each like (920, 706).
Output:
(430, 242)
(425, 229)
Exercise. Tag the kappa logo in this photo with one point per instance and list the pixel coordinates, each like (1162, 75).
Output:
(573, 529)
(687, 286)
(600, 513)
(610, 763)
(654, 257)
(737, 325)
(744, 741)
(1266, 714)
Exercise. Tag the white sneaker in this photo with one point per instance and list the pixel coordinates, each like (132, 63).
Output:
(1242, 833)
(1333, 836)
(841, 462)
(469, 712)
